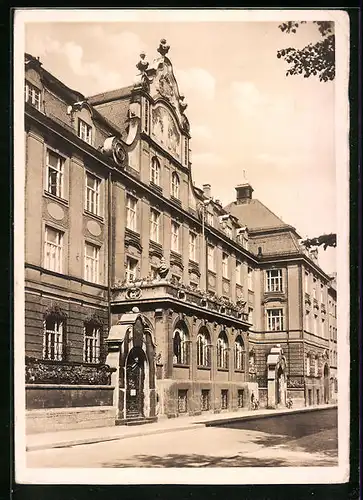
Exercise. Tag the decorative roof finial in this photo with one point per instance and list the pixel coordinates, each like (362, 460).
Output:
(142, 65)
(163, 48)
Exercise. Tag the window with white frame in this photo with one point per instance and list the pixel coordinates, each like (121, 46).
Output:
(32, 95)
(316, 366)
(274, 280)
(275, 320)
(154, 225)
(180, 345)
(203, 349)
(131, 269)
(54, 173)
(53, 249)
(175, 185)
(155, 171)
(250, 278)
(175, 236)
(308, 365)
(238, 272)
(239, 354)
(211, 264)
(131, 213)
(92, 198)
(192, 246)
(84, 131)
(53, 338)
(225, 258)
(91, 262)
(222, 351)
(92, 343)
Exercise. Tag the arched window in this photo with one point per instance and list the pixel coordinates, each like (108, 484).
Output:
(54, 334)
(316, 366)
(155, 171)
(203, 348)
(175, 185)
(222, 351)
(181, 345)
(239, 354)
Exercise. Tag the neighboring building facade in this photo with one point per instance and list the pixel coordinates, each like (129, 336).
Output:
(143, 295)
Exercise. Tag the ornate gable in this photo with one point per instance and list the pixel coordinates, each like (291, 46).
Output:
(159, 81)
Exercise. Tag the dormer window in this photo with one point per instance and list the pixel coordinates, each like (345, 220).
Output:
(155, 172)
(84, 131)
(32, 95)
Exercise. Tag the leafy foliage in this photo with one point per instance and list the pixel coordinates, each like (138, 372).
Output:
(315, 59)
(41, 372)
(328, 240)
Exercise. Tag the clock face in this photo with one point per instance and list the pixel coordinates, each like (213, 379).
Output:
(165, 130)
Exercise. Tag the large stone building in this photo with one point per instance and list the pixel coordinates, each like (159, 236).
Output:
(144, 295)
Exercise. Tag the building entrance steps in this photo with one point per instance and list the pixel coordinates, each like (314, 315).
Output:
(75, 437)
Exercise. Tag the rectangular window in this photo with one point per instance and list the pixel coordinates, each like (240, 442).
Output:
(228, 231)
(308, 366)
(205, 400)
(84, 131)
(154, 225)
(193, 247)
(131, 213)
(53, 250)
(93, 185)
(322, 295)
(32, 95)
(225, 257)
(211, 266)
(238, 272)
(210, 219)
(274, 280)
(92, 343)
(250, 278)
(53, 339)
(275, 320)
(240, 398)
(91, 262)
(224, 399)
(131, 269)
(54, 181)
(175, 236)
(182, 400)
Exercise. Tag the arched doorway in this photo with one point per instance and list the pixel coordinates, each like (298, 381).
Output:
(326, 384)
(135, 383)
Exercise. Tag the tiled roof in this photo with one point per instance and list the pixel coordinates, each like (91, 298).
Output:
(112, 95)
(255, 215)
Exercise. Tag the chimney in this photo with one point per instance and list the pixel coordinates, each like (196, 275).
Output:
(207, 190)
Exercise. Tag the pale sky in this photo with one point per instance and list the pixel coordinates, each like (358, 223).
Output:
(245, 114)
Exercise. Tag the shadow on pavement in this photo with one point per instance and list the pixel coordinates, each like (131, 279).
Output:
(176, 460)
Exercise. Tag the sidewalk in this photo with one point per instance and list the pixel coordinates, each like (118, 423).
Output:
(64, 439)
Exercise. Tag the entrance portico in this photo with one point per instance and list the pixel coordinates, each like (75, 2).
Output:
(131, 353)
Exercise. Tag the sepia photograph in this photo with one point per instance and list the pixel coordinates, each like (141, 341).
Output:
(181, 246)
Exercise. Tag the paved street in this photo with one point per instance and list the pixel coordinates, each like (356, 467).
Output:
(275, 441)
